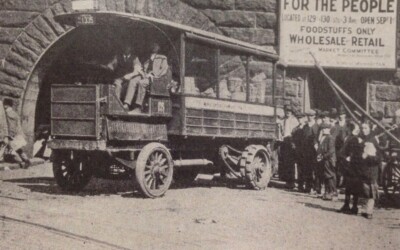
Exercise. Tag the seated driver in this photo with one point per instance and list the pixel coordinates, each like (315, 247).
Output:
(129, 72)
(154, 68)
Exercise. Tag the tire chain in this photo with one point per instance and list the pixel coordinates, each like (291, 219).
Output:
(246, 164)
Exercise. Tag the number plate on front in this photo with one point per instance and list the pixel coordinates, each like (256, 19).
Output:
(161, 107)
(85, 20)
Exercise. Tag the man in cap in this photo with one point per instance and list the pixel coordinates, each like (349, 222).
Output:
(290, 122)
(325, 117)
(311, 130)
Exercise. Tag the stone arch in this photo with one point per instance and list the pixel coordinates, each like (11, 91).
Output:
(41, 41)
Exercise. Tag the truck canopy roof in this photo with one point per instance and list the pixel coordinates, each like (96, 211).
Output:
(109, 18)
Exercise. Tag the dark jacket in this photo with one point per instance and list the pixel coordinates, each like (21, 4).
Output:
(327, 149)
(369, 167)
(310, 139)
(351, 148)
(341, 133)
(299, 142)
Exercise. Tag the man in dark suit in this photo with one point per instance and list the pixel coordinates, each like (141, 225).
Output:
(129, 73)
(326, 157)
(342, 131)
(311, 130)
(287, 149)
(300, 150)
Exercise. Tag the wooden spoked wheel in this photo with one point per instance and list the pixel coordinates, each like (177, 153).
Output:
(391, 179)
(257, 166)
(154, 170)
(72, 170)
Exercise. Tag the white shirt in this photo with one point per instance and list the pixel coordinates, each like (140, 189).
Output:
(289, 124)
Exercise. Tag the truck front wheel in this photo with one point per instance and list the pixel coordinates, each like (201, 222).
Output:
(72, 170)
(154, 170)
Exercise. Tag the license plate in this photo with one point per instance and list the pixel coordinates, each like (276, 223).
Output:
(85, 20)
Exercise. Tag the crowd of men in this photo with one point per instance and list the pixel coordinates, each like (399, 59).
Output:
(332, 151)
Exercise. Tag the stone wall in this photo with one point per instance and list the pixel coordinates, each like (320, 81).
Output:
(253, 21)
(384, 97)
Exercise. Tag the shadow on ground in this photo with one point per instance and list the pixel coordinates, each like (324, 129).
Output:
(97, 186)
(316, 206)
(389, 202)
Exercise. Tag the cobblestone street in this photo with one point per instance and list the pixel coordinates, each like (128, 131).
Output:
(108, 215)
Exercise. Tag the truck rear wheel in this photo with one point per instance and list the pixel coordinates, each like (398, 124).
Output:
(72, 171)
(154, 170)
(257, 166)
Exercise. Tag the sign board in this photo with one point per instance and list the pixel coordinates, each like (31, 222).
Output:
(228, 106)
(341, 33)
(81, 5)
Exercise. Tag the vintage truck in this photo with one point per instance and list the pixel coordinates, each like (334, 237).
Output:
(214, 109)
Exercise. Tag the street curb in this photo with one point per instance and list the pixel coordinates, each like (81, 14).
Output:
(4, 166)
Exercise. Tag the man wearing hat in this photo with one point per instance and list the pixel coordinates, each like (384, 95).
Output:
(342, 131)
(318, 118)
(299, 142)
(326, 122)
(290, 122)
(333, 114)
(311, 130)
(326, 158)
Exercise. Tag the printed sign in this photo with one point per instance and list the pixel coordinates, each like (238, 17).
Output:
(228, 106)
(340, 33)
(79, 5)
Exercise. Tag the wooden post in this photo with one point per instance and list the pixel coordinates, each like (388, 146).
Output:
(182, 77)
(247, 80)
(367, 104)
(218, 52)
(182, 62)
(274, 70)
